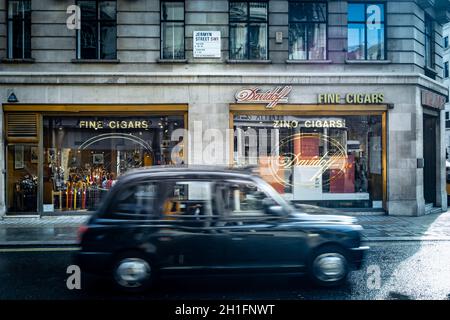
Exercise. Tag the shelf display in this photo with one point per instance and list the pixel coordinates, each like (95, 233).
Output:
(25, 193)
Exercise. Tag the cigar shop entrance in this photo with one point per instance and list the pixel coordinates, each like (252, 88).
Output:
(64, 159)
(430, 173)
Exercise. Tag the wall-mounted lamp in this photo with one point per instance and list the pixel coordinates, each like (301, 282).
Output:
(12, 98)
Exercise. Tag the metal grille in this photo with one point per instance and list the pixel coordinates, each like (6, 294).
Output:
(22, 125)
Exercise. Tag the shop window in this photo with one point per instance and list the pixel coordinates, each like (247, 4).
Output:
(366, 31)
(19, 29)
(84, 156)
(22, 179)
(248, 30)
(97, 38)
(333, 161)
(307, 30)
(172, 30)
(429, 42)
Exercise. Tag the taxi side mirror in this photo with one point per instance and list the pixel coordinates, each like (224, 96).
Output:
(272, 208)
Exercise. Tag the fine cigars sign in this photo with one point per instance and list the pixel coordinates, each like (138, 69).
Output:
(270, 97)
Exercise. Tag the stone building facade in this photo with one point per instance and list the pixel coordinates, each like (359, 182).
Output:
(366, 74)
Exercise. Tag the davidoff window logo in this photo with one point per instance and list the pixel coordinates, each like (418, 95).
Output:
(270, 97)
(335, 158)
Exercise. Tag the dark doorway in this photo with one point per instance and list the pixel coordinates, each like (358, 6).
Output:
(429, 155)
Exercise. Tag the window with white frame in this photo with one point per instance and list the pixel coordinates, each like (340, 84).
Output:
(172, 30)
(366, 31)
(248, 30)
(307, 30)
(97, 38)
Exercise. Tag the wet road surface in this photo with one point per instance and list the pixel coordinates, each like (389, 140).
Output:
(407, 269)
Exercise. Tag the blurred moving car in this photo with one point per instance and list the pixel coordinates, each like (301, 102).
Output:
(168, 220)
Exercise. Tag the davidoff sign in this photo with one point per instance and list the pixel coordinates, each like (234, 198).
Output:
(270, 97)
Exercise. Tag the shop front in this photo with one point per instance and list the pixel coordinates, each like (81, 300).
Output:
(332, 153)
(64, 159)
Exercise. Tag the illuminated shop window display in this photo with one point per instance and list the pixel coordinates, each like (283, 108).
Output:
(333, 161)
(83, 156)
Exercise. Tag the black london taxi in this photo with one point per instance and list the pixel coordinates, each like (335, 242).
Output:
(184, 220)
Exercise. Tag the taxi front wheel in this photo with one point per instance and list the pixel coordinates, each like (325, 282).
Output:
(328, 266)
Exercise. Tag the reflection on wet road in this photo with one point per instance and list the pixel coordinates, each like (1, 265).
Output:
(407, 270)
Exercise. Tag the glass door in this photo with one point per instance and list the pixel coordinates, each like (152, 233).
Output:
(22, 178)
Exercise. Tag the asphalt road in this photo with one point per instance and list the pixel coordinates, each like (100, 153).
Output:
(408, 270)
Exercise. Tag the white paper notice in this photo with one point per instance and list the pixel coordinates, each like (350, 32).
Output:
(207, 44)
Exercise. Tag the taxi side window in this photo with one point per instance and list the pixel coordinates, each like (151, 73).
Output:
(243, 198)
(186, 198)
(136, 202)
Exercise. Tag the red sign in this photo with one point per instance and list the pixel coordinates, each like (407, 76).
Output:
(433, 100)
(271, 97)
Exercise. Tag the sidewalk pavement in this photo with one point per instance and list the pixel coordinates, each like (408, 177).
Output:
(62, 230)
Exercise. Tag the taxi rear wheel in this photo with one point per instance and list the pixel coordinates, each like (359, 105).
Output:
(133, 272)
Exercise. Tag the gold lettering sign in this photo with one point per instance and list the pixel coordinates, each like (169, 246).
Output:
(351, 98)
(114, 124)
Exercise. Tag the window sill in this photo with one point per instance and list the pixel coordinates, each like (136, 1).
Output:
(368, 61)
(170, 61)
(8, 60)
(105, 61)
(248, 61)
(308, 61)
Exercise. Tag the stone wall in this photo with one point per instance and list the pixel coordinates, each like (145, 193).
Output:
(138, 39)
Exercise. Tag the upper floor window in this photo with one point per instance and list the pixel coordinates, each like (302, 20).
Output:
(98, 34)
(446, 42)
(429, 42)
(172, 30)
(307, 30)
(446, 69)
(366, 31)
(19, 29)
(248, 30)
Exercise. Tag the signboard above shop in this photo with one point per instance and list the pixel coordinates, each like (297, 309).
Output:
(350, 98)
(207, 44)
(274, 96)
(269, 97)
